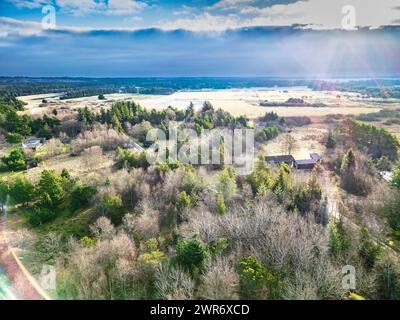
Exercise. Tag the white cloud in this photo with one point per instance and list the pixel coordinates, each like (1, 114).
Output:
(230, 14)
(24, 28)
(319, 14)
(326, 14)
(203, 22)
(29, 4)
(85, 7)
(122, 7)
(231, 4)
(184, 10)
(81, 7)
(9, 26)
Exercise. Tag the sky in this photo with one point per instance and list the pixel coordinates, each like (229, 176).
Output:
(128, 38)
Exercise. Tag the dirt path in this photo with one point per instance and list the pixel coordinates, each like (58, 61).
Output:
(332, 195)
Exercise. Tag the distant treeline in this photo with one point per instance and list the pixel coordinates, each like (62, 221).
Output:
(71, 91)
(82, 87)
(292, 102)
(387, 88)
(392, 116)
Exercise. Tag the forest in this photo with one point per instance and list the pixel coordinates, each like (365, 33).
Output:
(178, 231)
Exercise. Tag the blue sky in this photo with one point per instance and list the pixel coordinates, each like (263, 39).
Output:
(214, 38)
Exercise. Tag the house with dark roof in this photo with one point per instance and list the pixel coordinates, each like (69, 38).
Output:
(303, 164)
(288, 159)
(33, 143)
(308, 164)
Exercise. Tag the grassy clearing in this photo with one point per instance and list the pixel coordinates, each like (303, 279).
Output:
(69, 223)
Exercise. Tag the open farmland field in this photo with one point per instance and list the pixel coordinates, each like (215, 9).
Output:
(236, 101)
(247, 101)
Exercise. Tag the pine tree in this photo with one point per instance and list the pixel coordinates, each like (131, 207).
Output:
(220, 203)
(348, 162)
(116, 123)
(330, 141)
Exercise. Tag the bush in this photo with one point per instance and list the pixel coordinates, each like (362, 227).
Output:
(40, 216)
(21, 190)
(15, 161)
(4, 191)
(391, 211)
(220, 204)
(255, 281)
(227, 184)
(270, 132)
(330, 141)
(368, 250)
(388, 280)
(132, 160)
(14, 138)
(111, 207)
(191, 255)
(339, 240)
(81, 195)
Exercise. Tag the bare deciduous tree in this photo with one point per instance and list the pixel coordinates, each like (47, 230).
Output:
(173, 284)
(92, 157)
(289, 144)
(220, 282)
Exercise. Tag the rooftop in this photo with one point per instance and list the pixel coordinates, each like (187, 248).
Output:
(281, 158)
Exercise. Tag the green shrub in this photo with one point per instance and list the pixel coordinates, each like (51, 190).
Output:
(4, 191)
(39, 216)
(330, 141)
(255, 281)
(21, 190)
(15, 161)
(368, 250)
(270, 133)
(81, 195)
(111, 207)
(132, 160)
(87, 241)
(388, 277)
(183, 201)
(220, 204)
(14, 138)
(191, 255)
(339, 240)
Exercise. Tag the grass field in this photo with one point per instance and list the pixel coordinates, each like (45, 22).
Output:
(237, 102)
